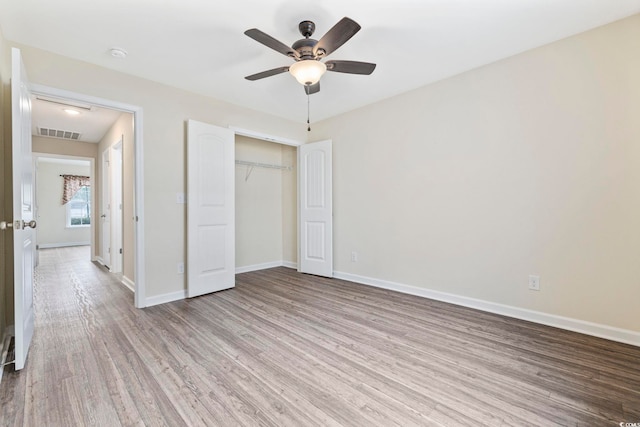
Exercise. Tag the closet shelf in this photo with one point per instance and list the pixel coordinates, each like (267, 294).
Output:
(251, 165)
(263, 165)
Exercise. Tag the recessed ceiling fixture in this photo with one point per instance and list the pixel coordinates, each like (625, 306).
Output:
(117, 52)
(71, 112)
(307, 52)
(66, 103)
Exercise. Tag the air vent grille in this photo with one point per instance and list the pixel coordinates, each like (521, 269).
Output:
(57, 133)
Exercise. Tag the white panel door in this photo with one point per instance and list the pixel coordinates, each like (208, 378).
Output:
(115, 168)
(315, 209)
(210, 209)
(23, 221)
(105, 209)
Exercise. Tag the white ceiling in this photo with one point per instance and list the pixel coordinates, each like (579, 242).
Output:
(92, 122)
(199, 45)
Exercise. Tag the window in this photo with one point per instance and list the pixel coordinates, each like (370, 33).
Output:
(79, 208)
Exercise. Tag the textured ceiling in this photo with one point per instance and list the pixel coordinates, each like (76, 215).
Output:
(199, 45)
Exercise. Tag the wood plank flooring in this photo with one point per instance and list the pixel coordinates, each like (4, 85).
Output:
(284, 349)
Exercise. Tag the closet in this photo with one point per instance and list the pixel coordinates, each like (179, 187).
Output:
(266, 204)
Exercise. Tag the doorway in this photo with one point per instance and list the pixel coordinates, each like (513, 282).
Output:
(266, 203)
(132, 194)
(211, 218)
(63, 224)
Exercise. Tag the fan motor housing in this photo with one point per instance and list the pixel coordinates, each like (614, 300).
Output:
(305, 48)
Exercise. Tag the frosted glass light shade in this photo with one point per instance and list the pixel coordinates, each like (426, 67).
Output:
(308, 72)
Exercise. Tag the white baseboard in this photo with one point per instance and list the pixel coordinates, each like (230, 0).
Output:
(256, 267)
(62, 245)
(130, 284)
(165, 298)
(597, 330)
(264, 266)
(290, 264)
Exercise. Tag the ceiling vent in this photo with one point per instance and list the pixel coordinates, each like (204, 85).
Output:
(57, 133)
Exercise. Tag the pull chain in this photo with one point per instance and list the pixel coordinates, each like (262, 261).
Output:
(308, 112)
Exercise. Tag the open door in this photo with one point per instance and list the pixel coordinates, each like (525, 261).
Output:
(210, 209)
(315, 209)
(105, 209)
(23, 220)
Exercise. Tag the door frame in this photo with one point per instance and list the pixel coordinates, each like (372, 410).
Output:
(138, 178)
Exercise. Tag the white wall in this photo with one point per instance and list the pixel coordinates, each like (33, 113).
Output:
(52, 228)
(263, 204)
(530, 165)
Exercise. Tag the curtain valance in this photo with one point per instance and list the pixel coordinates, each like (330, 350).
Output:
(72, 183)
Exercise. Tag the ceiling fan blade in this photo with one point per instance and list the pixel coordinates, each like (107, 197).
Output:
(269, 41)
(267, 73)
(310, 90)
(351, 67)
(336, 37)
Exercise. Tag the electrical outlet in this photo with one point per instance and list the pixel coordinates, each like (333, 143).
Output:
(181, 268)
(354, 256)
(534, 283)
(180, 198)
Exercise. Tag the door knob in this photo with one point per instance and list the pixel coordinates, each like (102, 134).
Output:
(30, 224)
(103, 216)
(4, 225)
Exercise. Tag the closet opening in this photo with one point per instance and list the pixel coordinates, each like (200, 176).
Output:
(266, 204)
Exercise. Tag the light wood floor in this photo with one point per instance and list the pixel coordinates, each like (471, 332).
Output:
(284, 349)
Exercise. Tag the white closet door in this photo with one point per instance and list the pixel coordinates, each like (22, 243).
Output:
(315, 209)
(210, 209)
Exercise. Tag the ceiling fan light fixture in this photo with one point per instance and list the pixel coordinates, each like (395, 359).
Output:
(308, 72)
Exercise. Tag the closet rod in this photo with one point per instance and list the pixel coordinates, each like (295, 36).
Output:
(263, 165)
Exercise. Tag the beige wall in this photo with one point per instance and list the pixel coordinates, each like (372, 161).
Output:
(165, 112)
(530, 165)
(122, 129)
(64, 147)
(52, 214)
(263, 203)
(258, 204)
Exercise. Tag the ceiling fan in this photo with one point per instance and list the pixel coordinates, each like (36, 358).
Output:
(308, 54)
